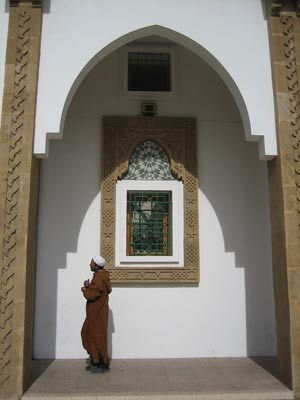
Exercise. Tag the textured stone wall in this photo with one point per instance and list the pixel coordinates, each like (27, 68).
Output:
(18, 197)
(284, 175)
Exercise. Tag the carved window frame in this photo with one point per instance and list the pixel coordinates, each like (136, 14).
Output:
(177, 137)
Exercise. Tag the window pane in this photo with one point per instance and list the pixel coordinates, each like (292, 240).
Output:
(149, 216)
(149, 72)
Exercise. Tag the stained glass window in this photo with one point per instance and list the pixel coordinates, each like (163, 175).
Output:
(149, 162)
(149, 213)
(149, 229)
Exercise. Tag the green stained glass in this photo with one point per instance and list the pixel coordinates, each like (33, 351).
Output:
(149, 227)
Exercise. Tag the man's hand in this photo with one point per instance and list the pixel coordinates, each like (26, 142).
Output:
(83, 289)
(86, 283)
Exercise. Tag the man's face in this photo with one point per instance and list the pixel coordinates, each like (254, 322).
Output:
(93, 265)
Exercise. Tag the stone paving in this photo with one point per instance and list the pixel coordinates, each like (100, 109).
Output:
(213, 378)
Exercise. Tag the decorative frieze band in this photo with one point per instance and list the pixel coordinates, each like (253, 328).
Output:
(287, 22)
(279, 6)
(13, 188)
(284, 175)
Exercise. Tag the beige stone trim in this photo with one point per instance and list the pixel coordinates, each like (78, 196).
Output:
(177, 137)
(33, 3)
(284, 178)
(18, 198)
(276, 7)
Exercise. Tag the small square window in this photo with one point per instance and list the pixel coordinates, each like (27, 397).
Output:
(149, 219)
(149, 72)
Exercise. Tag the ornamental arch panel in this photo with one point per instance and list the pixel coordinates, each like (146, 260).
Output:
(122, 135)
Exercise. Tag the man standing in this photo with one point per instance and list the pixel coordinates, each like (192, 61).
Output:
(94, 329)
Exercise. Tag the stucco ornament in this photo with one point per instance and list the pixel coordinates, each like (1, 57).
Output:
(167, 141)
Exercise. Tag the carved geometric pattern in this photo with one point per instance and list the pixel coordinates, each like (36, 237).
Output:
(149, 162)
(176, 136)
(190, 217)
(191, 253)
(109, 184)
(287, 22)
(108, 253)
(108, 217)
(8, 267)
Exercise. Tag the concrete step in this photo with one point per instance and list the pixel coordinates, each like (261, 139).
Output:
(159, 396)
(165, 379)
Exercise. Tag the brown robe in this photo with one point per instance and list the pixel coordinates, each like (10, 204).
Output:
(94, 329)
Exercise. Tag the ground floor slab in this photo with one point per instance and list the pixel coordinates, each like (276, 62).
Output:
(159, 379)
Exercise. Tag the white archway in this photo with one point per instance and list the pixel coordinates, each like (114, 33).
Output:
(233, 183)
(258, 124)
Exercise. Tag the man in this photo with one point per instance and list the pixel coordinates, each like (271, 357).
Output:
(94, 329)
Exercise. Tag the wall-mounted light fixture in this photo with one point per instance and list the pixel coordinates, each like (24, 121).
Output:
(149, 109)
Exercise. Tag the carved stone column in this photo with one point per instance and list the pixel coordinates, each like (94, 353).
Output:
(18, 197)
(284, 180)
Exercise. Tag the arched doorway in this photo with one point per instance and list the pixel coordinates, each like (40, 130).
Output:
(233, 223)
(27, 269)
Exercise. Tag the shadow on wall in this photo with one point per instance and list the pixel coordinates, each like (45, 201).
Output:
(68, 186)
(111, 330)
(236, 187)
(230, 176)
(264, 9)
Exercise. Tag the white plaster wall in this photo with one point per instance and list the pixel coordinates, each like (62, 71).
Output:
(231, 312)
(232, 36)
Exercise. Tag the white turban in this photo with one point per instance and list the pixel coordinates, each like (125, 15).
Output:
(99, 260)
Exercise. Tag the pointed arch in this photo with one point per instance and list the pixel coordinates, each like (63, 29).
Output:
(58, 121)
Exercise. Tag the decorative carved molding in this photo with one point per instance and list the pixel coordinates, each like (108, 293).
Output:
(276, 7)
(12, 196)
(287, 22)
(33, 3)
(279, 6)
(177, 137)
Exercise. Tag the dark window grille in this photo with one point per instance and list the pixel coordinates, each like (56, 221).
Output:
(149, 72)
(149, 216)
